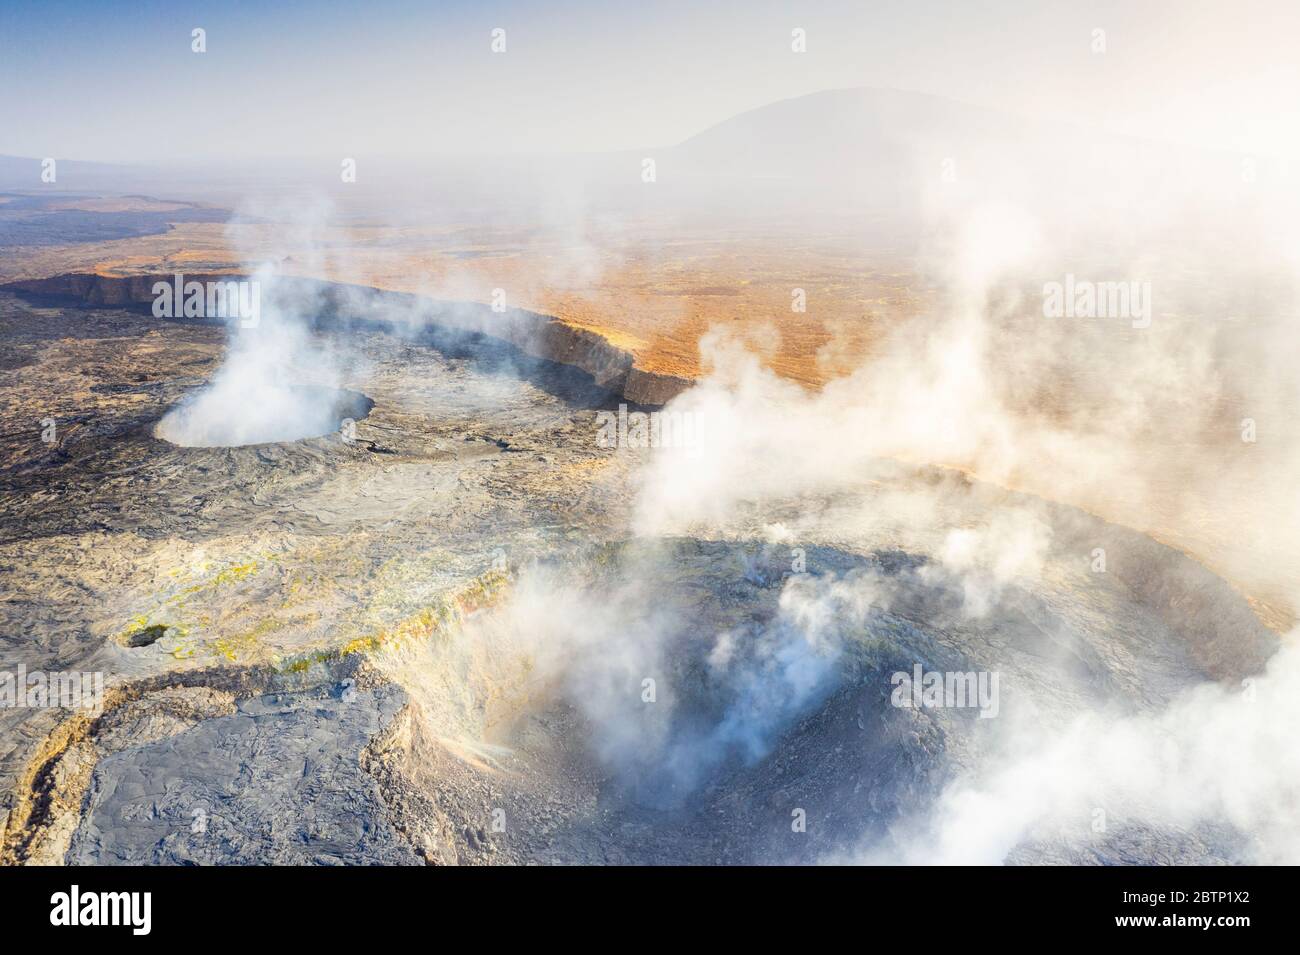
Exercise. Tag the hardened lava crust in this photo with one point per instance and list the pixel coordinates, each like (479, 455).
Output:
(436, 635)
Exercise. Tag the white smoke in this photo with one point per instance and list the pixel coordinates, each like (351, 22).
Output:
(666, 703)
(278, 380)
(1142, 428)
(1214, 755)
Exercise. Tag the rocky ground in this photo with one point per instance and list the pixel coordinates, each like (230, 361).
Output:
(427, 642)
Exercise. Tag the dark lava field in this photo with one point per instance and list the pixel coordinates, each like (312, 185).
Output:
(441, 628)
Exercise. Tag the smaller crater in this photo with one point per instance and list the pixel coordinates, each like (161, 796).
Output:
(144, 637)
(257, 413)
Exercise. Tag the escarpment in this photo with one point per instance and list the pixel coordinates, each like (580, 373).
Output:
(536, 334)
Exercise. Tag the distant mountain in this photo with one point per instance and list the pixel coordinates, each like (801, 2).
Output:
(896, 149)
(897, 155)
(838, 129)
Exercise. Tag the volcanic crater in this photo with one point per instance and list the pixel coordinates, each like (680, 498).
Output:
(437, 638)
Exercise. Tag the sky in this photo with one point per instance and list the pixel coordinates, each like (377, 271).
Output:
(110, 81)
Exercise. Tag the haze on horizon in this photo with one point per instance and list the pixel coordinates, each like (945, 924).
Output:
(120, 82)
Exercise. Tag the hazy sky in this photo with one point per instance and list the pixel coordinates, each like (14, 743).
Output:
(118, 81)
